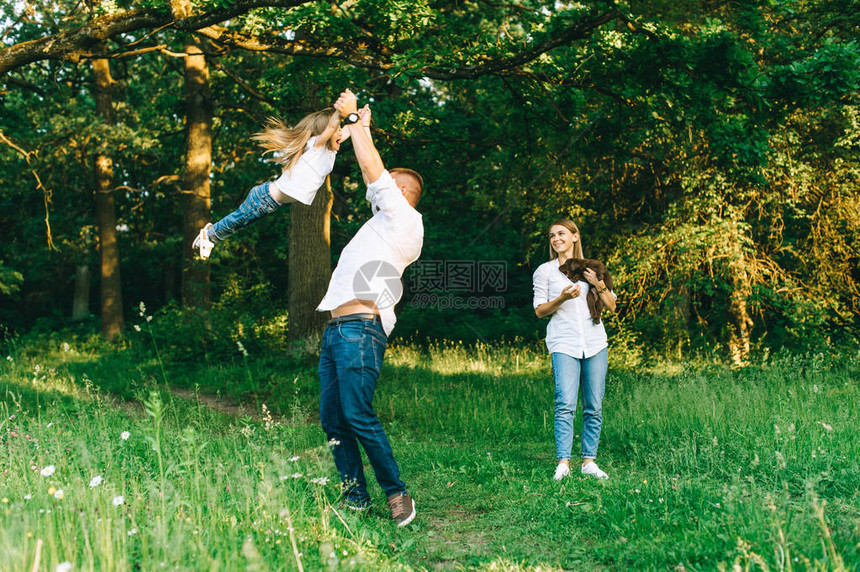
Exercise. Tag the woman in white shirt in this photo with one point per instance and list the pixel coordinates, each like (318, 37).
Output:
(578, 347)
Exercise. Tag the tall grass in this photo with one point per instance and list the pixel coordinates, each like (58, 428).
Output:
(711, 467)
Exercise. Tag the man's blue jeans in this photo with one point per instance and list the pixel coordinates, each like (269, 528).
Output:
(573, 375)
(350, 361)
(258, 204)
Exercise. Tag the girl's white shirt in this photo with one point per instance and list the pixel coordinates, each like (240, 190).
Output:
(308, 174)
(570, 330)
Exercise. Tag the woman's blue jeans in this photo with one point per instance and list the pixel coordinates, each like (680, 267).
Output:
(258, 204)
(572, 376)
(350, 361)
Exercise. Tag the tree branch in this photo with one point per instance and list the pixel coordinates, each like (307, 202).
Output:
(46, 192)
(73, 44)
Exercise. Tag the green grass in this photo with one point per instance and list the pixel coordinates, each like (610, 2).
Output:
(711, 468)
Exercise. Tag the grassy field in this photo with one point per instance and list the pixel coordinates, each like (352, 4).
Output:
(125, 459)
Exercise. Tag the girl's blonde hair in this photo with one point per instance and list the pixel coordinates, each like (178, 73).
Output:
(290, 142)
(571, 226)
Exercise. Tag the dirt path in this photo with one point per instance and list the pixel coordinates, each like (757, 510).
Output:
(216, 403)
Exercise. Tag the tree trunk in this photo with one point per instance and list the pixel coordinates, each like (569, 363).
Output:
(111, 287)
(739, 340)
(170, 281)
(310, 263)
(740, 321)
(680, 320)
(81, 300)
(196, 203)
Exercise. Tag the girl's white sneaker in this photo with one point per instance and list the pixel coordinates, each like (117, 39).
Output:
(202, 242)
(561, 471)
(591, 469)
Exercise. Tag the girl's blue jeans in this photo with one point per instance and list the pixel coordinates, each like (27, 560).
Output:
(572, 377)
(258, 204)
(350, 361)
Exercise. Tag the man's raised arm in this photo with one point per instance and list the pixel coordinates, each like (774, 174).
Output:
(365, 151)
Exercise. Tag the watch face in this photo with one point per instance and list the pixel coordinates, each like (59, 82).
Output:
(352, 118)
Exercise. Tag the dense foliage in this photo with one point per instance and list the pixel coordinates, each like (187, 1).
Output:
(707, 151)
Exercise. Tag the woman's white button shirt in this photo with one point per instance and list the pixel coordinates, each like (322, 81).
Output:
(570, 330)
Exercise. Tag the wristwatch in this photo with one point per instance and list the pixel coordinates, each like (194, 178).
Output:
(351, 118)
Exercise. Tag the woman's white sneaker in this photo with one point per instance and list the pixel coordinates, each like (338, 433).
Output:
(591, 469)
(561, 471)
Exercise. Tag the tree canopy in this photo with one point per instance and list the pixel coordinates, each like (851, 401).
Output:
(707, 151)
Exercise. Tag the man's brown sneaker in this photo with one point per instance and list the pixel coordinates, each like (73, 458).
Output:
(402, 508)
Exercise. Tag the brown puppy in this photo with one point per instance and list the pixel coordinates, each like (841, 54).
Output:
(574, 268)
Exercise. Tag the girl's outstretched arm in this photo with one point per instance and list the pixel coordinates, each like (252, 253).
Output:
(333, 124)
(365, 115)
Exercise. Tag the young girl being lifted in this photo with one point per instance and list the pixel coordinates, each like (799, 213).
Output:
(307, 152)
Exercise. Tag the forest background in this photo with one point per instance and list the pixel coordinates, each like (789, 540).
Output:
(708, 152)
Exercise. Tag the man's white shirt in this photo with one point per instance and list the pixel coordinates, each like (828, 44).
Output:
(390, 240)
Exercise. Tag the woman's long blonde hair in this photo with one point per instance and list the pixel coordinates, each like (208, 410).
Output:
(290, 142)
(571, 226)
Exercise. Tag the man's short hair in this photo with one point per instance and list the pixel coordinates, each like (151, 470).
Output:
(418, 189)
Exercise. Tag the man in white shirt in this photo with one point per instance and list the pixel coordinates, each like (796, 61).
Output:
(361, 295)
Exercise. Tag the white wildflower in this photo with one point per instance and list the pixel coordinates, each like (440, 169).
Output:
(95, 481)
(9, 358)
(136, 328)
(333, 442)
(124, 435)
(320, 481)
(825, 426)
(66, 347)
(118, 500)
(28, 496)
(293, 459)
(64, 567)
(59, 494)
(142, 309)
(132, 532)
(48, 471)
(242, 349)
